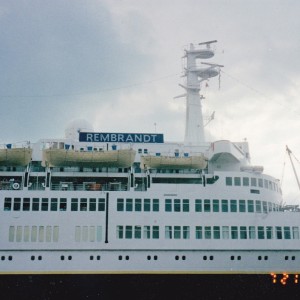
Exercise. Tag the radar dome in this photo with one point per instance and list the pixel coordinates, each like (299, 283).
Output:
(76, 126)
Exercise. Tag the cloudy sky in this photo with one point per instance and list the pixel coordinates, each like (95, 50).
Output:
(118, 63)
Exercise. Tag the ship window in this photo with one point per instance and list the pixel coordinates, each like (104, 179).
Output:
(155, 206)
(258, 206)
(92, 204)
(120, 232)
(168, 232)
(177, 232)
(228, 180)
(177, 205)
(41, 233)
(266, 183)
(233, 205)
(92, 233)
(216, 205)
(252, 234)
(53, 204)
(260, 182)
(137, 232)
(260, 232)
(206, 205)
(35, 204)
(147, 232)
(216, 232)
(45, 204)
(74, 204)
(278, 232)
(242, 205)
(17, 204)
(243, 232)
(138, 204)
(147, 205)
(55, 233)
(224, 205)
(185, 205)
(237, 181)
(19, 234)
(99, 233)
(145, 151)
(101, 204)
(253, 182)
(77, 234)
(26, 204)
(120, 204)
(198, 205)
(155, 232)
(48, 233)
(250, 204)
(85, 233)
(11, 234)
(168, 205)
(295, 232)
(62, 204)
(245, 181)
(140, 150)
(234, 232)
(198, 232)
(26, 233)
(207, 232)
(186, 232)
(33, 233)
(269, 232)
(225, 232)
(7, 204)
(83, 204)
(265, 206)
(287, 232)
(128, 204)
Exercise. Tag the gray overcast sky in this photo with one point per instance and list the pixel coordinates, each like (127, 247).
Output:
(118, 65)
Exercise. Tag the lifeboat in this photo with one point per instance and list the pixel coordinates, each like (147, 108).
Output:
(72, 158)
(173, 162)
(15, 157)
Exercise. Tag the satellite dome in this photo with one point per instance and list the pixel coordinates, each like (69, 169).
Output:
(76, 126)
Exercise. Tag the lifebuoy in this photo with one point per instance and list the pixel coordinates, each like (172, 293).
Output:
(16, 186)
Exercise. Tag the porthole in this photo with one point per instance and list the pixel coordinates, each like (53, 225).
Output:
(10, 258)
(120, 257)
(286, 257)
(62, 257)
(232, 257)
(69, 257)
(177, 257)
(204, 257)
(239, 258)
(98, 257)
(155, 257)
(259, 258)
(293, 257)
(211, 258)
(91, 257)
(149, 257)
(39, 257)
(266, 258)
(127, 257)
(183, 257)
(2, 257)
(32, 257)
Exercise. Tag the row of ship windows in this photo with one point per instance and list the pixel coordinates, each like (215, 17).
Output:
(201, 205)
(51, 233)
(94, 233)
(148, 257)
(138, 205)
(253, 182)
(53, 204)
(209, 232)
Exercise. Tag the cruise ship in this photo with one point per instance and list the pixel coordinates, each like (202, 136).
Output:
(117, 202)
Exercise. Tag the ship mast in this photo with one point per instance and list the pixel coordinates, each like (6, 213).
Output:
(194, 128)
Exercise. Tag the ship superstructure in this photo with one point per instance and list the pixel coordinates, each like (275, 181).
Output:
(96, 202)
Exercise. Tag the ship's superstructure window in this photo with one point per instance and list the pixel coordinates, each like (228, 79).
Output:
(35, 204)
(242, 205)
(137, 232)
(137, 205)
(45, 204)
(177, 232)
(216, 205)
(33, 234)
(198, 205)
(17, 204)
(233, 205)
(54, 204)
(253, 182)
(7, 204)
(62, 204)
(88, 233)
(177, 205)
(83, 204)
(206, 205)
